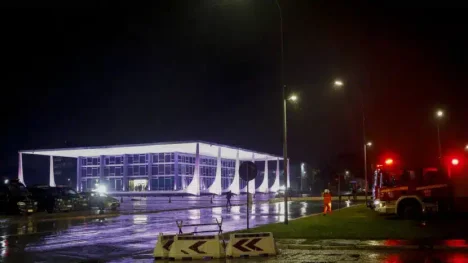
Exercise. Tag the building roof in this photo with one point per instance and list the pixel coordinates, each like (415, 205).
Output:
(206, 149)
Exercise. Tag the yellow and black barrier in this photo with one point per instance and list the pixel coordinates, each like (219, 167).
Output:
(163, 246)
(250, 245)
(196, 247)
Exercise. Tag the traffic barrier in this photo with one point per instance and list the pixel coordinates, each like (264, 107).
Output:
(163, 246)
(196, 247)
(255, 244)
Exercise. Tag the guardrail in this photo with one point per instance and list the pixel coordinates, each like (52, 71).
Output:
(217, 223)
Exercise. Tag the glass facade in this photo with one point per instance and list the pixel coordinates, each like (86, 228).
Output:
(159, 172)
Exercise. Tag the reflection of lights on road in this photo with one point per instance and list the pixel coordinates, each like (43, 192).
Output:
(194, 214)
(217, 210)
(4, 246)
(140, 219)
(304, 206)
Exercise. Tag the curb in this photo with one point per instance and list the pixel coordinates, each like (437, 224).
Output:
(368, 247)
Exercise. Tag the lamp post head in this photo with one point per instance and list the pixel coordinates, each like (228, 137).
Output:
(347, 172)
(439, 114)
(338, 83)
(369, 144)
(293, 98)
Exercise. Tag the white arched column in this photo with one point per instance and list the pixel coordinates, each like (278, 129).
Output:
(263, 188)
(20, 168)
(51, 172)
(275, 187)
(194, 186)
(235, 185)
(216, 187)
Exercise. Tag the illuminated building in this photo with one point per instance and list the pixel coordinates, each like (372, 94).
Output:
(186, 167)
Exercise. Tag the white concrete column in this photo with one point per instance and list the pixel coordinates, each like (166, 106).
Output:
(252, 182)
(235, 185)
(78, 174)
(51, 172)
(276, 184)
(216, 186)
(20, 168)
(263, 188)
(150, 169)
(194, 186)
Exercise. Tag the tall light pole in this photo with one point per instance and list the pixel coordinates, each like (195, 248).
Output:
(439, 116)
(285, 128)
(338, 84)
(366, 145)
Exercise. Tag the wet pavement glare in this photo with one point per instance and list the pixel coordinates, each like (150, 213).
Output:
(131, 237)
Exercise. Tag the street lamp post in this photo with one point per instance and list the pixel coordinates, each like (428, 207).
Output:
(439, 116)
(285, 129)
(339, 84)
(368, 144)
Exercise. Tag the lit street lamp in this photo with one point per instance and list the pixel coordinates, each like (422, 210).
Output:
(366, 145)
(338, 84)
(439, 116)
(466, 148)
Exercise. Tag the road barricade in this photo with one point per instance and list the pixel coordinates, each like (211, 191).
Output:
(163, 246)
(251, 245)
(196, 247)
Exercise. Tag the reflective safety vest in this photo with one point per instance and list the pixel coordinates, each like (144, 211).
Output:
(327, 198)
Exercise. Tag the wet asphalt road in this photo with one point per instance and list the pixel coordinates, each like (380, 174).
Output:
(116, 237)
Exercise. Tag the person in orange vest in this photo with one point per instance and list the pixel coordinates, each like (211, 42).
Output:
(327, 202)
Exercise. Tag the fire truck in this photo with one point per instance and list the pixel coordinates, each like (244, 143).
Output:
(410, 193)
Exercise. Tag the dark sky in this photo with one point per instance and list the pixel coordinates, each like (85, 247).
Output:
(209, 70)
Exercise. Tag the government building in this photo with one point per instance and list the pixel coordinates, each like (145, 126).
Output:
(182, 167)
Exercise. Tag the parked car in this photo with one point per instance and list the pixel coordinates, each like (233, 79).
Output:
(78, 201)
(52, 199)
(101, 200)
(15, 198)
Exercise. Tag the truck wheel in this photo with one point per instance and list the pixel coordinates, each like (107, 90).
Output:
(410, 210)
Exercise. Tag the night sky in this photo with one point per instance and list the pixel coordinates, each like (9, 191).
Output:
(210, 70)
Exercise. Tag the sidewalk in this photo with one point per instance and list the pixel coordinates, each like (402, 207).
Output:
(389, 244)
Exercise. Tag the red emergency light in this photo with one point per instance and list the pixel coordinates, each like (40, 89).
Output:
(455, 161)
(389, 161)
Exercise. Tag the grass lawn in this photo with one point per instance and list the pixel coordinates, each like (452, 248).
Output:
(362, 223)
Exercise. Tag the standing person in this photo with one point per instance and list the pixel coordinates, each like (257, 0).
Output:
(228, 198)
(327, 202)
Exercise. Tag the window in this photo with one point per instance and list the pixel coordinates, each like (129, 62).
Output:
(118, 160)
(89, 161)
(167, 169)
(154, 170)
(112, 160)
(172, 157)
(83, 161)
(143, 158)
(161, 169)
(112, 170)
(89, 171)
(167, 158)
(161, 157)
(179, 158)
(130, 159)
(143, 170)
(106, 171)
(95, 172)
(118, 171)
(155, 160)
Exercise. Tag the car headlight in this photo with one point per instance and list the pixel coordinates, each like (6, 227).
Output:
(376, 202)
(21, 203)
